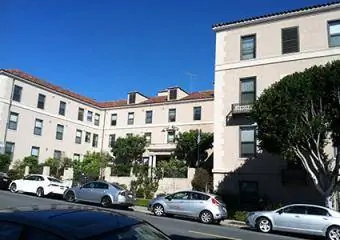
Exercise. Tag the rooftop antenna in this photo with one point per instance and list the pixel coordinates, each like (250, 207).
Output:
(191, 76)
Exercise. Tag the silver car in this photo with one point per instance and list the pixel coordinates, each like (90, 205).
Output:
(208, 208)
(298, 218)
(107, 194)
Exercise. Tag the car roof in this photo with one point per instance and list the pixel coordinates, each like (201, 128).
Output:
(194, 191)
(69, 220)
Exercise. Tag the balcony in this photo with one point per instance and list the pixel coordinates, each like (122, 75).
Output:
(238, 108)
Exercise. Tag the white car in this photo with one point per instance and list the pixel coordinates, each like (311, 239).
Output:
(39, 184)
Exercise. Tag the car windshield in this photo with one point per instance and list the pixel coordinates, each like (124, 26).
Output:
(117, 186)
(51, 179)
(135, 232)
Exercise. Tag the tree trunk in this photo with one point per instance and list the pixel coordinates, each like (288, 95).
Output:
(329, 201)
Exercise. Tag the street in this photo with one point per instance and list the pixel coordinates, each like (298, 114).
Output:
(176, 228)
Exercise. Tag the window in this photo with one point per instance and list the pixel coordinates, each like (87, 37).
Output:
(113, 119)
(81, 114)
(101, 185)
(334, 33)
(181, 196)
(87, 137)
(89, 116)
(148, 116)
(112, 139)
(9, 148)
(290, 40)
(131, 118)
(197, 113)
(62, 108)
(57, 154)
(41, 101)
(35, 151)
(199, 196)
(89, 185)
(96, 119)
(76, 156)
(38, 127)
(172, 115)
(173, 94)
(247, 90)
(95, 140)
(60, 132)
(147, 136)
(171, 137)
(248, 142)
(132, 98)
(317, 211)
(78, 136)
(248, 47)
(13, 121)
(17, 93)
(295, 210)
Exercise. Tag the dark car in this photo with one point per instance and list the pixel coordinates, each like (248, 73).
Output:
(4, 181)
(56, 222)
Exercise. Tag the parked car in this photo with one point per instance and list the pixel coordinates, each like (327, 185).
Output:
(4, 181)
(208, 208)
(104, 193)
(39, 184)
(73, 222)
(298, 218)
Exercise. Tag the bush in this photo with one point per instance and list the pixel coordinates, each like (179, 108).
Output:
(5, 161)
(142, 202)
(121, 170)
(240, 216)
(202, 180)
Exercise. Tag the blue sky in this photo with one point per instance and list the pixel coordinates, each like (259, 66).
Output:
(106, 48)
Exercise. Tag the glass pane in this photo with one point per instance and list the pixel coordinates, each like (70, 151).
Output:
(60, 128)
(247, 98)
(114, 116)
(334, 41)
(131, 115)
(35, 152)
(247, 85)
(247, 149)
(334, 28)
(78, 133)
(247, 135)
(38, 123)
(13, 117)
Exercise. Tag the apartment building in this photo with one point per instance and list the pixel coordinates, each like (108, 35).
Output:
(252, 54)
(40, 119)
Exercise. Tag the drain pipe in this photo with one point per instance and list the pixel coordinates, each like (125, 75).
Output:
(8, 114)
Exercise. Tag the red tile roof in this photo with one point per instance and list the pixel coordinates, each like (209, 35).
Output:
(110, 104)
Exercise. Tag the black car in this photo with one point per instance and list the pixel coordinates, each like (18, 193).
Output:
(4, 181)
(57, 222)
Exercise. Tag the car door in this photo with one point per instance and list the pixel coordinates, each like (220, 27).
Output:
(316, 220)
(290, 218)
(27, 184)
(179, 203)
(38, 182)
(85, 192)
(99, 190)
(197, 203)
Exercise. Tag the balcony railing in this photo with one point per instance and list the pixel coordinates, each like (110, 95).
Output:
(238, 108)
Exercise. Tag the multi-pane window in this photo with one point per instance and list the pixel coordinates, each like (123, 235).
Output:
(9, 148)
(171, 136)
(132, 98)
(173, 94)
(147, 136)
(290, 40)
(247, 141)
(76, 156)
(59, 132)
(113, 119)
(57, 154)
(197, 113)
(248, 47)
(131, 118)
(41, 101)
(13, 121)
(172, 115)
(247, 90)
(148, 116)
(17, 93)
(38, 126)
(62, 108)
(81, 114)
(87, 137)
(79, 134)
(334, 33)
(89, 116)
(35, 151)
(96, 119)
(95, 140)
(112, 139)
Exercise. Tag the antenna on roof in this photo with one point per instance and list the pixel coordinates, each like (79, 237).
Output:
(191, 76)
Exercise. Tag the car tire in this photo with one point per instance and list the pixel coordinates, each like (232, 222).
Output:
(70, 197)
(13, 188)
(264, 225)
(206, 217)
(106, 201)
(40, 192)
(158, 210)
(333, 233)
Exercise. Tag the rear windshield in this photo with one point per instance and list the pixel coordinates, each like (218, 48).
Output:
(54, 180)
(117, 186)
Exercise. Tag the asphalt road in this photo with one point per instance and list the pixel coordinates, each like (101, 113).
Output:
(178, 229)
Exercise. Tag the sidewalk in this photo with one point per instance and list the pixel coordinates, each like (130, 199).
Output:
(227, 222)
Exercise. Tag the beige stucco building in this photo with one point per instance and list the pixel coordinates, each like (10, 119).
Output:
(251, 54)
(40, 119)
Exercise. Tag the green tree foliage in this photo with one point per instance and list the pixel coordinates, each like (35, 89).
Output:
(57, 166)
(174, 168)
(298, 116)
(187, 147)
(5, 161)
(202, 180)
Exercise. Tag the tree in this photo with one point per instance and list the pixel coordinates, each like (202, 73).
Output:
(57, 166)
(5, 161)
(174, 168)
(202, 180)
(298, 116)
(187, 147)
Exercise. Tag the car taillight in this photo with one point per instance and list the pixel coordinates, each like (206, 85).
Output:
(214, 201)
(53, 185)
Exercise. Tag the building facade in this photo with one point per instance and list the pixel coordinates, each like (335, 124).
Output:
(40, 119)
(252, 54)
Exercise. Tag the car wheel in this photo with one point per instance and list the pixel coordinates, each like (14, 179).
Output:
(264, 225)
(40, 192)
(206, 217)
(69, 196)
(106, 201)
(333, 233)
(158, 210)
(13, 188)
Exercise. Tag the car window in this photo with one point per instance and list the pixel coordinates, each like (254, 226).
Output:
(181, 195)
(54, 180)
(9, 230)
(89, 185)
(295, 210)
(117, 186)
(317, 211)
(39, 178)
(199, 196)
(36, 234)
(30, 177)
(100, 185)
